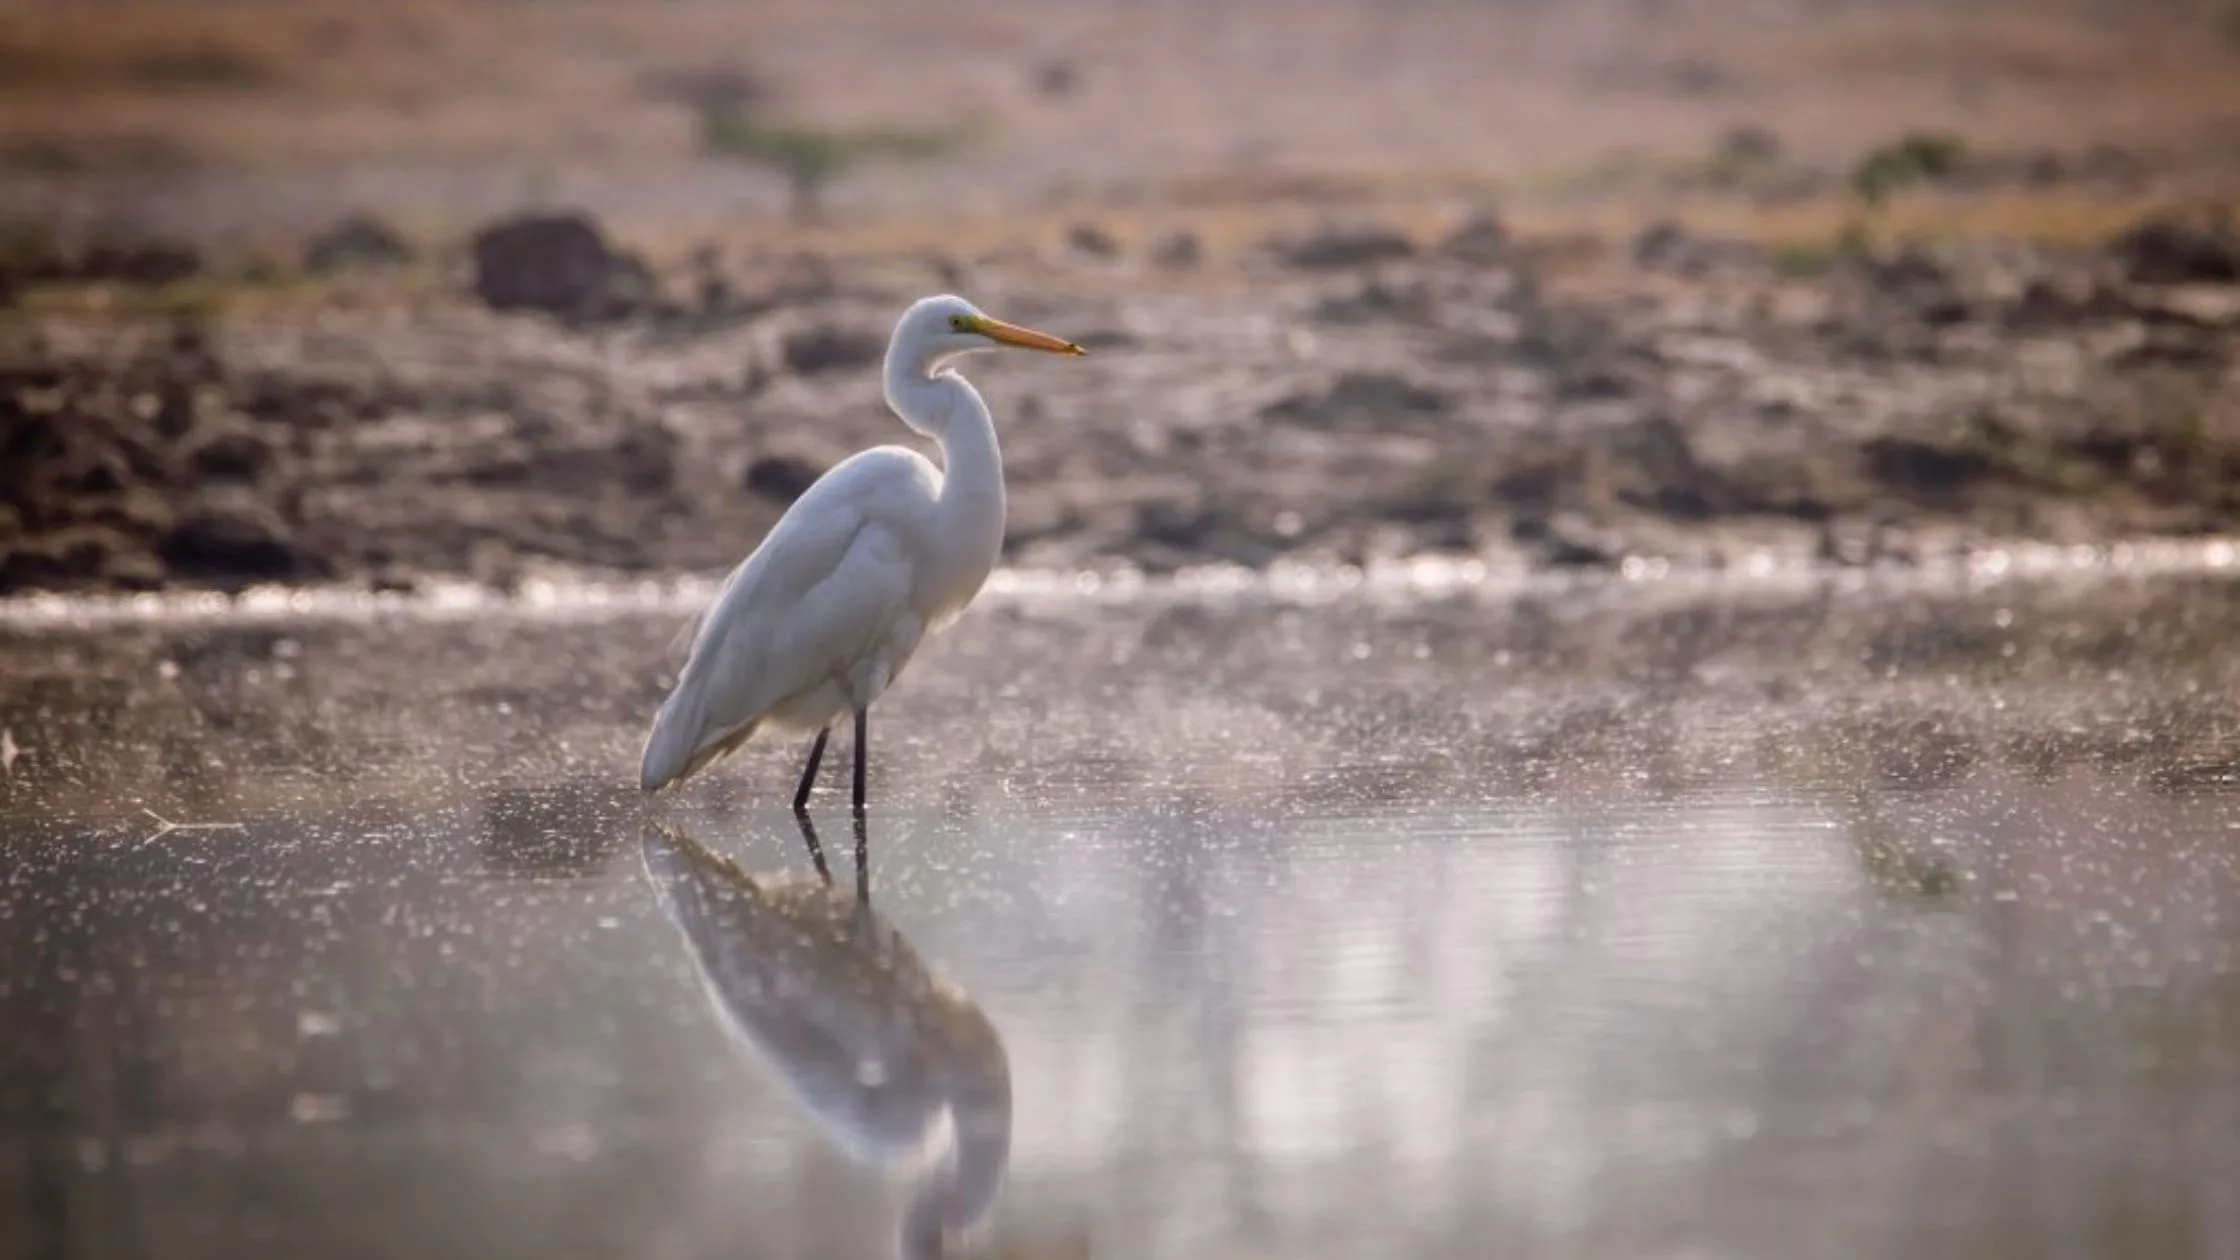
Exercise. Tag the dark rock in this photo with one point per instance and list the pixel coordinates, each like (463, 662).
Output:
(1943, 310)
(191, 340)
(644, 461)
(231, 544)
(1382, 391)
(1533, 486)
(1178, 251)
(780, 478)
(1562, 542)
(1659, 243)
(29, 255)
(502, 470)
(236, 456)
(1922, 468)
(559, 264)
(1183, 526)
(2176, 346)
(640, 460)
(1666, 246)
(149, 263)
(1093, 241)
(1342, 246)
(830, 348)
(1663, 471)
(2174, 249)
(1909, 268)
(100, 474)
(713, 293)
(358, 241)
(1750, 143)
(1591, 381)
(1482, 240)
(1374, 301)
(1564, 337)
(1442, 498)
(1056, 77)
(1357, 396)
(84, 555)
(1450, 534)
(1170, 532)
(1923, 282)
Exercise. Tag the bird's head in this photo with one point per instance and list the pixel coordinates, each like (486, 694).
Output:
(938, 328)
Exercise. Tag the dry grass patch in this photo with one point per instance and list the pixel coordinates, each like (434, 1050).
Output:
(142, 48)
(2039, 218)
(2014, 45)
(93, 87)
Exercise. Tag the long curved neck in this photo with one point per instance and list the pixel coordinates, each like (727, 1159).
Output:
(971, 459)
(945, 407)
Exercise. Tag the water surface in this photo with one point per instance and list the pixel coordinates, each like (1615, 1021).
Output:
(1596, 923)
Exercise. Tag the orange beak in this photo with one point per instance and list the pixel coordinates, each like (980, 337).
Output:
(1024, 338)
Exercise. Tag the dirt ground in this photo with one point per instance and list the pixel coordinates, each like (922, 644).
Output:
(1553, 283)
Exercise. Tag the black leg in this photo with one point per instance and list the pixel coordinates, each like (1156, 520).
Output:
(809, 773)
(863, 862)
(863, 741)
(816, 850)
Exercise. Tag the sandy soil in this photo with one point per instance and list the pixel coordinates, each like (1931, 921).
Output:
(1680, 333)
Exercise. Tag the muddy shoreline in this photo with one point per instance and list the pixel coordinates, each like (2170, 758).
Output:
(1357, 394)
(314, 293)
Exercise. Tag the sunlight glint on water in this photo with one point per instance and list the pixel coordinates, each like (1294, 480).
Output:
(1576, 920)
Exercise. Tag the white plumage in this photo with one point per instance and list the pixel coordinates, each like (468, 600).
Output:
(881, 551)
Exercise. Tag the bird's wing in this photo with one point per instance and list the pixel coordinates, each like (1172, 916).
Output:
(818, 595)
(887, 476)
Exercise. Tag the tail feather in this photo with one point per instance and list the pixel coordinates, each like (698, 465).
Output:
(667, 750)
(679, 746)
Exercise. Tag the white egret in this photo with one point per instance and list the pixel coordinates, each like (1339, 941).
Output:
(881, 551)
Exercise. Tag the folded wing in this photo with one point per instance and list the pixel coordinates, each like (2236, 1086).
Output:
(817, 599)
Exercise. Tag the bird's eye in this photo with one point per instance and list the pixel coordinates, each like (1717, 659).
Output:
(958, 323)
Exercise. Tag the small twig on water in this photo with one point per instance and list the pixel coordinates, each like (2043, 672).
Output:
(165, 826)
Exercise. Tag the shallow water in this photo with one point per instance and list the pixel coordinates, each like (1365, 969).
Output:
(1605, 922)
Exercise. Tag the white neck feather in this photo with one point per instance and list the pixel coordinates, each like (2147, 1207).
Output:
(942, 405)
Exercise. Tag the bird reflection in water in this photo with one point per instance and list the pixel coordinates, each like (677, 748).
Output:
(877, 1049)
